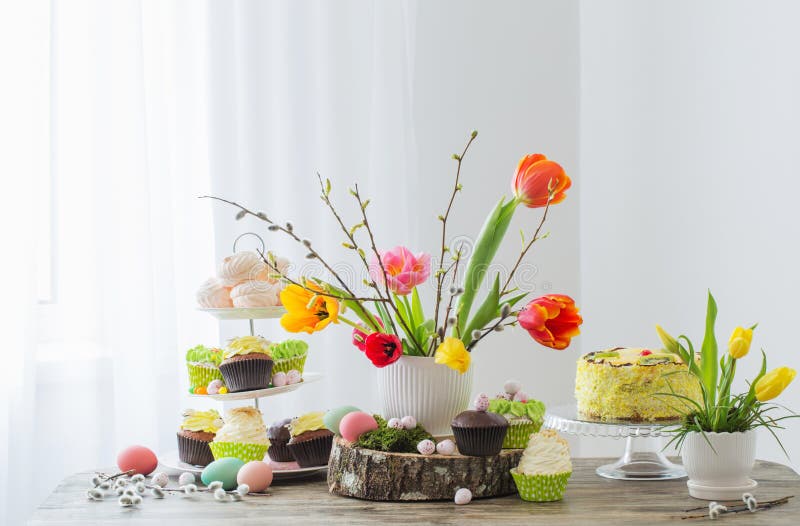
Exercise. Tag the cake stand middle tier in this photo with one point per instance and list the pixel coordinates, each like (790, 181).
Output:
(642, 460)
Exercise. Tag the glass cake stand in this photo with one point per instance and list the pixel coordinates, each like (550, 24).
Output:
(642, 460)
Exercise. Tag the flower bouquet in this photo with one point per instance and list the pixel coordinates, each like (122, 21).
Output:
(717, 436)
(390, 320)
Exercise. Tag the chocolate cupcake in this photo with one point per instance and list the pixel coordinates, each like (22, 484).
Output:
(279, 435)
(195, 434)
(479, 433)
(311, 442)
(247, 365)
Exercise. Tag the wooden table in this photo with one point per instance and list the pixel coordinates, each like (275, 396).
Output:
(589, 500)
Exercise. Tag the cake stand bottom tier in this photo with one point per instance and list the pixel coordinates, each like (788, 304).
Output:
(376, 475)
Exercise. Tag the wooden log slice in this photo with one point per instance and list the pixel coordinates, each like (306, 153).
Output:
(376, 475)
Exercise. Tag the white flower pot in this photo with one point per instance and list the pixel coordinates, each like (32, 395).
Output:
(430, 392)
(721, 472)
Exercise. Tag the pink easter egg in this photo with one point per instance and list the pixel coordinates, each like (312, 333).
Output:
(279, 379)
(293, 377)
(355, 424)
(482, 402)
(256, 474)
(463, 496)
(426, 447)
(138, 458)
(395, 423)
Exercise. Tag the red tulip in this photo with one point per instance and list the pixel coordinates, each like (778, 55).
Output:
(551, 320)
(383, 349)
(536, 177)
(360, 334)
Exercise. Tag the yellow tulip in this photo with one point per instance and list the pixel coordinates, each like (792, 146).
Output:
(307, 311)
(739, 343)
(773, 383)
(452, 353)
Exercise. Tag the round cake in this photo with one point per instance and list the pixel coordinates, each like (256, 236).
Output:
(623, 384)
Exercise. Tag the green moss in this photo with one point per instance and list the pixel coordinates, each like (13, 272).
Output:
(393, 440)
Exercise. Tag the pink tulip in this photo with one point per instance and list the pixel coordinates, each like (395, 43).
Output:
(404, 270)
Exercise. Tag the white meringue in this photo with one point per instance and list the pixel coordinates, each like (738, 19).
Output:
(239, 267)
(213, 294)
(256, 294)
(269, 274)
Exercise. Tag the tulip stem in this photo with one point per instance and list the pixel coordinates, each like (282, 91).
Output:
(441, 273)
(528, 246)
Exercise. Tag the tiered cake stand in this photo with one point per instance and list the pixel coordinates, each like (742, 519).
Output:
(280, 470)
(642, 460)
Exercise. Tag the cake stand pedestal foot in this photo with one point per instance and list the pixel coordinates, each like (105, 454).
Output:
(642, 460)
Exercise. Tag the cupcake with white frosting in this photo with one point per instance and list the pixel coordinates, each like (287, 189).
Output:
(544, 469)
(243, 436)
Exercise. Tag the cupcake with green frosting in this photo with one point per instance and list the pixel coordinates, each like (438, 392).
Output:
(288, 355)
(525, 415)
(203, 365)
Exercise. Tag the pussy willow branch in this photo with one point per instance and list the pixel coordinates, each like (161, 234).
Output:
(454, 266)
(351, 236)
(108, 478)
(263, 217)
(762, 506)
(528, 246)
(489, 329)
(375, 251)
(456, 189)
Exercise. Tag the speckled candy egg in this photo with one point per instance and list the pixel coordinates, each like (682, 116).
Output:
(512, 387)
(395, 423)
(355, 424)
(213, 386)
(463, 496)
(256, 474)
(223, 470)
(446, 447)
(482, 402)
(520, 397)
(279, 379)
(409, 422)
(426, 447)
(138, 458)
(160, 479)
(332, 418)
(293, 377)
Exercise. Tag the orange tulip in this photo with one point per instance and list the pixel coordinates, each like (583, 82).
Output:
(551, 320)
(307, 311)
(536, 177)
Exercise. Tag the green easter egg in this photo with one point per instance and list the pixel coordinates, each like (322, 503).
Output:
(223, 470)
(332, 418)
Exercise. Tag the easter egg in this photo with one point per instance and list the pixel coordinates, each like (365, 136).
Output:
(512, 387)
(463, 496)
(482, 402)
(138, 458)
(256, 474)
(426, 447)
(519, 396)
(160, 479)
(334, 416)
(355, 424)
(409, 422)
(446, 447)
(293, 377)
(279, 379)
(223, 470)
(395, 423)
(186, 478)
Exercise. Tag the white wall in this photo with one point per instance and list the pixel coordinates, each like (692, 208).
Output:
(689, 137)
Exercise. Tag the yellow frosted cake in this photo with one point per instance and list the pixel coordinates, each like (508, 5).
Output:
(621, 384)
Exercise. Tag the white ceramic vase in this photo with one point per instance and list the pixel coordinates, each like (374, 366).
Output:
(430, 392)
(721, 472)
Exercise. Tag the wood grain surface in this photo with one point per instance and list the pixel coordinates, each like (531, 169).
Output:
(589, 500)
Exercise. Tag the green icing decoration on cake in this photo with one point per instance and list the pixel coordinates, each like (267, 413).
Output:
(533, 410)
(393, 440)
(202, 354)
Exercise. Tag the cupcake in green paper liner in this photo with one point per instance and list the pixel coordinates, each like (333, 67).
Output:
(203, 365)
(288, 355)
(544, 469)
(524, 415)
(244, 436)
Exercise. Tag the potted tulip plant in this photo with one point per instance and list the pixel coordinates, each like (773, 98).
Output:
(717, 438)
(424, 355)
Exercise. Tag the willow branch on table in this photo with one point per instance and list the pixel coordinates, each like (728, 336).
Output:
(738, 508)
(443, 218)
(527, 247)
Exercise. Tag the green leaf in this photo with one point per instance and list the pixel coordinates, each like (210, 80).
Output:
(511, 302)
(708, 352)
(485, 313)
(489, 239)
(416, 308)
